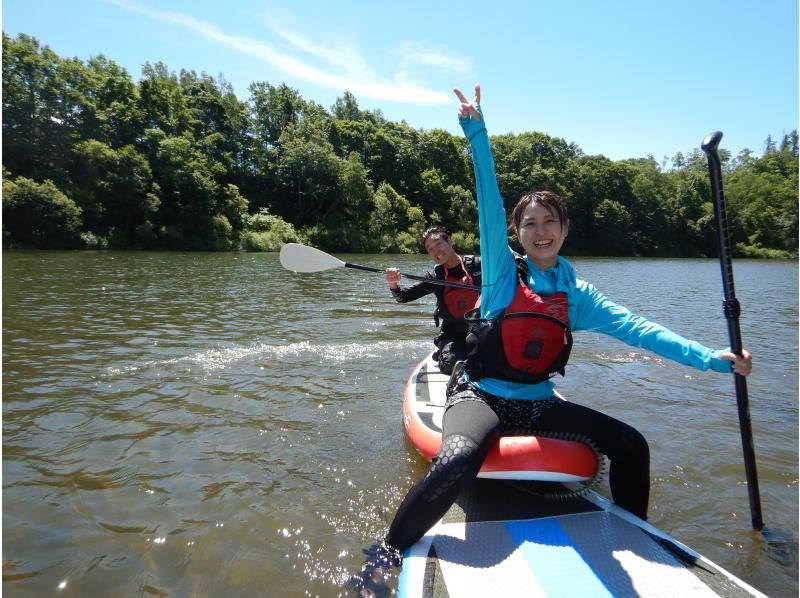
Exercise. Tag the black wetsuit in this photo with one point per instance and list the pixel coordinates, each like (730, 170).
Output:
(451, 338)
(474, 420)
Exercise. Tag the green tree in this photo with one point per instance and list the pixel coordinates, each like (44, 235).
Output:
(220, 124)
(116, 192)
(688, 211)
(273, 109)
(649, 220)
(531, 162)
(443, 152)
(195, 207)
(462, 210)
(376, 148)
(435, 199)
(178, 161)
(345, 230)
(117, 118)
(39, 215)
(162, 101)
(407, 241)
(265, 232)
(307, 172)
(389, 217)
(405, 170)
(37, 107)
(346, 107)
(762, 197)
(614, 220)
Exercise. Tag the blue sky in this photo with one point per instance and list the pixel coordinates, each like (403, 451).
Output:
(622, 78)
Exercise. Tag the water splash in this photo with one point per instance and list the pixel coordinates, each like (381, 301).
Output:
(216, 359)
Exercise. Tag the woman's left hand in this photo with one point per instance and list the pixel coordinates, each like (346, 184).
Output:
(742, 364)
(468, 109)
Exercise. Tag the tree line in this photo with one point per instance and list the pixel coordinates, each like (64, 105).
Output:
(93, 159)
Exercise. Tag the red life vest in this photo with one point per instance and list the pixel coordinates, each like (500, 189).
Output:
(529, 341)
(455, 302)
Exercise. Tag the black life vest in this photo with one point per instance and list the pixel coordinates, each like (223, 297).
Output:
(529, 341)
(453, 302)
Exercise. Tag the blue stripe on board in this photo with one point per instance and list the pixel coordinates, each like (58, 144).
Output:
(403, 588)
(554, 560)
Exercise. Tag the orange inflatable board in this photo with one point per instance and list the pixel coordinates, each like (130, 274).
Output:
(512, 457)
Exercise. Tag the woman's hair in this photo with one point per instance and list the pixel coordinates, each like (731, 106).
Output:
(552, 201)
(434, 230)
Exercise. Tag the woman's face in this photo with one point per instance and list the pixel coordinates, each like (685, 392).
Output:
(541, 234)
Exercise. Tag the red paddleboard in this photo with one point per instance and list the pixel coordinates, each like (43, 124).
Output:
(511, 458)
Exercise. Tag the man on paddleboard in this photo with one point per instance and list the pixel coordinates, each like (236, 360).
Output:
(451, 303)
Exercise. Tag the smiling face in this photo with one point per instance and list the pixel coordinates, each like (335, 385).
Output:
(542, 234)
(441, 251)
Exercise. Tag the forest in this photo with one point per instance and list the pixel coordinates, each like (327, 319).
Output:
(176, 161)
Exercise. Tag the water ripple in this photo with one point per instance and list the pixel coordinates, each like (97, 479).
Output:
(210, 424)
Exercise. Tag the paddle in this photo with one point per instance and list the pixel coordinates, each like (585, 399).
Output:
(731, 308)
(302, 258)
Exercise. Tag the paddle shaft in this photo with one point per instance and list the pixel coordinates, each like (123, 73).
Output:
(444, 283)
(732, 309)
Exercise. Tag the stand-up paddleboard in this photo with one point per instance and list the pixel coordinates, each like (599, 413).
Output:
(502, 538)
(512, 457)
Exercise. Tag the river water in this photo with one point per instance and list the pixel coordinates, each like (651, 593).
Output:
(204, 424)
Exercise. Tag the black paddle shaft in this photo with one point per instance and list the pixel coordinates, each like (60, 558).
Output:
(732, 310)
(444, 283)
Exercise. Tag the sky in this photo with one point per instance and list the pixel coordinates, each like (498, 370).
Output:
(621, 78)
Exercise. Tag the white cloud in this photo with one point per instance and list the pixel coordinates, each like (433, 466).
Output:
(337, 54)
(418, 53)
(349, 70)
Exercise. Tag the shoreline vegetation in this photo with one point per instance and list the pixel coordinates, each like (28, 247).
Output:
(95, 160)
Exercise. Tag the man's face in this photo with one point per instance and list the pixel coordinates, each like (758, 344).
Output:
(439, 248)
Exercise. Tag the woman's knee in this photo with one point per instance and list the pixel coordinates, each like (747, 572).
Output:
(459, 459)
(634, 444)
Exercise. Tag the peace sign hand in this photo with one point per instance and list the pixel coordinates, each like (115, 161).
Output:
(469, 109)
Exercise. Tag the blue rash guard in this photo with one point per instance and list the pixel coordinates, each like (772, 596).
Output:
(588, 308)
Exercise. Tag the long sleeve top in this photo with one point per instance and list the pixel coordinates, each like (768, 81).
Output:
(414, 292)
(588, 308)
(420, 289)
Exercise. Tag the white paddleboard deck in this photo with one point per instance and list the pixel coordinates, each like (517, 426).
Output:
(595, 550)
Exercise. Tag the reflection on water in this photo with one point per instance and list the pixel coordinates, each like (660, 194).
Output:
(210, 424)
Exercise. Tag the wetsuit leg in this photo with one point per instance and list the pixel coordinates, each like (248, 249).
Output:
(625, 447)
(469, 429)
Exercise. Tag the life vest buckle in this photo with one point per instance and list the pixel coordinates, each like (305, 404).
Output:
(533, 349)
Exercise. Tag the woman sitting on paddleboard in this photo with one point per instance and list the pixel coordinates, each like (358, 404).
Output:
(451, 303)
(529, 308)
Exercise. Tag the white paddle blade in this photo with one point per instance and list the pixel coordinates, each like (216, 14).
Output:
(302, 258)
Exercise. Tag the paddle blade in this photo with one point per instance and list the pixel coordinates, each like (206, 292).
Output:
(301, 258)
